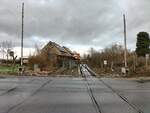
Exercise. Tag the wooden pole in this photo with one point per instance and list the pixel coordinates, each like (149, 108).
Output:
(22, 33)
(125, 42)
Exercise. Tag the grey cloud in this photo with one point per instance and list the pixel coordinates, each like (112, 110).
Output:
(77, 22)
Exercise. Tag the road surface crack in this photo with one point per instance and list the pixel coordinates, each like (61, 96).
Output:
(35, 92)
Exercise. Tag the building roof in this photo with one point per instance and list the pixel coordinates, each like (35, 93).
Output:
(68, 50)
(57, 49)
(63, 51)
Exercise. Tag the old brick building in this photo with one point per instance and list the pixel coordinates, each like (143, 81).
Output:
(60, 56)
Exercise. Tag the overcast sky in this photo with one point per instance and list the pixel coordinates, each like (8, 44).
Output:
(77, 24)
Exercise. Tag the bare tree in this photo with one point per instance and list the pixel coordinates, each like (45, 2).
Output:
(5, 48)
(2, 50)
(37, 49)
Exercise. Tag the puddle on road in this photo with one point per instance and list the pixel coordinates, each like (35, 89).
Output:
(1, 77)
(142, 81)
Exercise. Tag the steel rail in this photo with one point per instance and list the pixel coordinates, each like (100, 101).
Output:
(90, 92)
(137, 109)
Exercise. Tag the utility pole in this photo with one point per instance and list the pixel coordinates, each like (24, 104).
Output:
(22, 33)
(125, 42)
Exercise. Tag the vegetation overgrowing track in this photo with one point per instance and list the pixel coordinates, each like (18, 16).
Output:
(93, 74)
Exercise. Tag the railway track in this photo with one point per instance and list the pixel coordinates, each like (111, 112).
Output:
(86, 72)
(90, 91)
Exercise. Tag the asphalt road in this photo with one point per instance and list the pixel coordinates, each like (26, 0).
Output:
(73, 95)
